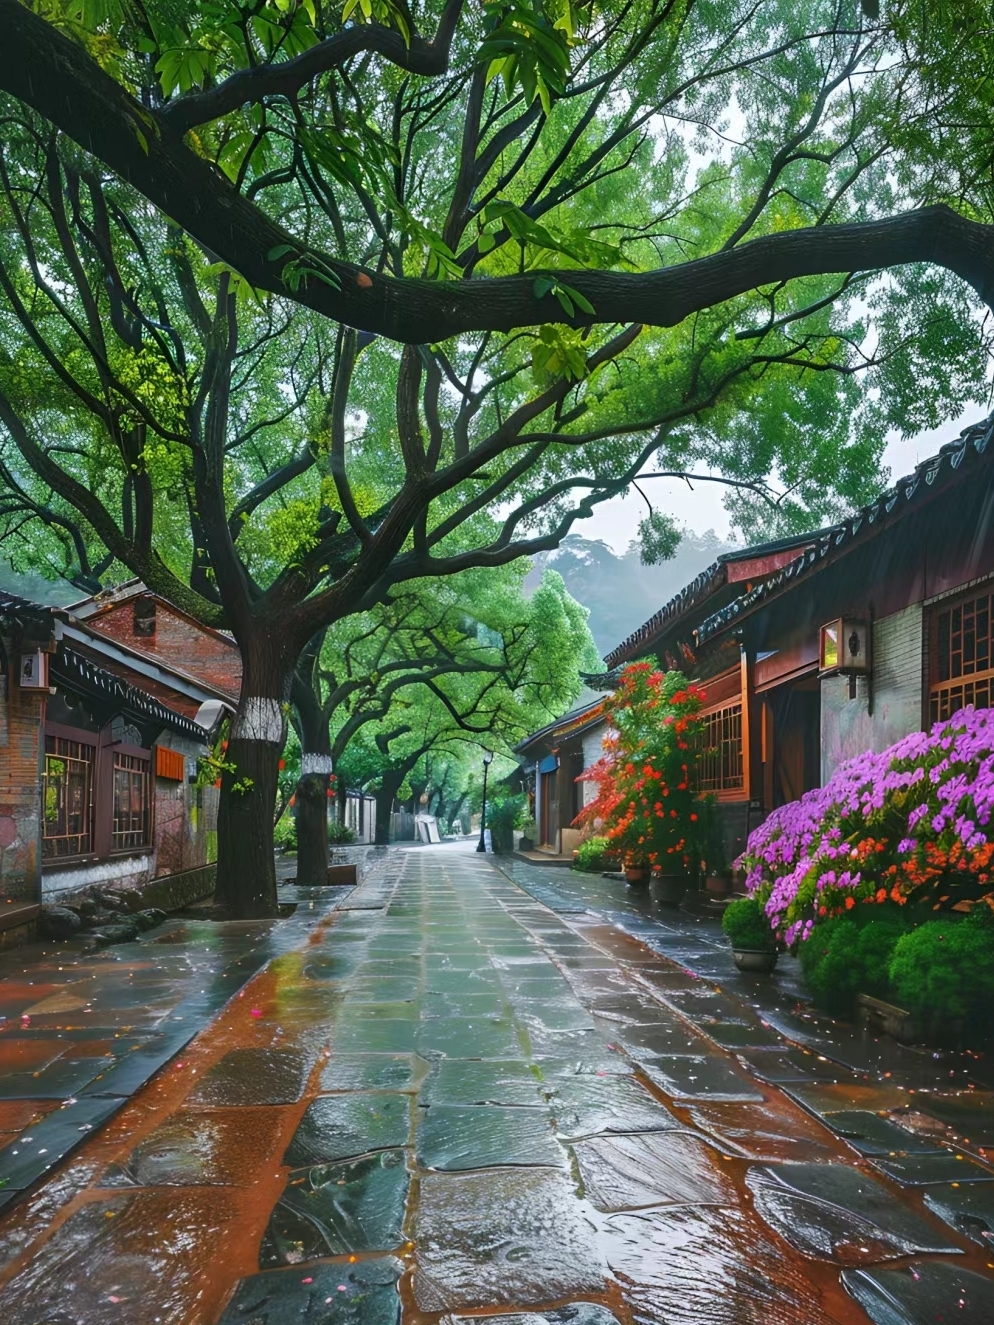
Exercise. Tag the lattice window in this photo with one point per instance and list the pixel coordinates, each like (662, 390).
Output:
(964, 648)
(67, 798)
(132, 806)
(720, 765)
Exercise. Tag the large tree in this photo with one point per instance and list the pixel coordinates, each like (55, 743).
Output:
(501, 662)
(410, 204)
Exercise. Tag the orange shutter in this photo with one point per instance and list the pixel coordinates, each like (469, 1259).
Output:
(169, 764)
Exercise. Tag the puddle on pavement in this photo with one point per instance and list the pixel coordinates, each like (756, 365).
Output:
(505, 1237)
(342, 1126)
(774, 1129)
(467, 1037)
(922, 1294)
(923, 1170)
(99, 1266)
(575, 1313)
(360, 1294)
(873, 1134)
(585, 1106)
(655, 1168)
(694, 1078)
(711, 1267)
(834, 1212)
(454, 1137)
(335, 1209)
(469, 1081)
(201, 1148)
(370, 1072)
(254, 1076)
(969, 1209)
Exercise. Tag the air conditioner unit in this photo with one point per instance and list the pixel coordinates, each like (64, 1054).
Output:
(34, 671)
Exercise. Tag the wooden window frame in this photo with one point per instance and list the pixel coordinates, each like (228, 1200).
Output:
(76, 738)
(106, 752)
(728, 785)
(961, 636)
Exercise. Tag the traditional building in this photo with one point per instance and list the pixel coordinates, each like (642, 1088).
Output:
(554, 757)
(105, 710)
(816, 648)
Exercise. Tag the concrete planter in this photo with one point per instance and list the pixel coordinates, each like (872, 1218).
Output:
(670, 889)
(888, 1019)
(637, 876)
(760, 961)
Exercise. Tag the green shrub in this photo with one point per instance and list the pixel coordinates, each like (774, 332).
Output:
(591, 856)
(285, 833)
(502, 814)
(944, 970)
(745, 925)
(844, 958)
(340, 834)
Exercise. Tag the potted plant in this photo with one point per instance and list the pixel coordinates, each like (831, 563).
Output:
(638, 872)
(753, 943)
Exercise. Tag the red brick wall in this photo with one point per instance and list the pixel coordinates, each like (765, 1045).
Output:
(21, 718)
(177, 642)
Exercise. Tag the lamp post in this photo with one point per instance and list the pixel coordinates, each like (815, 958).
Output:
(482, 844)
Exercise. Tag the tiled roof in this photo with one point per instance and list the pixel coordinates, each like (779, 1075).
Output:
(569, 724)
(75, 671)
(11, 604)
(954, 458)
(695, 593)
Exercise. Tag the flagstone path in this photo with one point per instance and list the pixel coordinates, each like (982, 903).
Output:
(445, 1097)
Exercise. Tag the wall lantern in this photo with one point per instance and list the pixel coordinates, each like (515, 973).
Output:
(845, 648)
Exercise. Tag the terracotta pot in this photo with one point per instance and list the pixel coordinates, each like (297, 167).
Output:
(670, 889)
(757, 960)
(637, 876)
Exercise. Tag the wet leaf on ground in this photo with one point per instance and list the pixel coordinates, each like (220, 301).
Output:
(341, 1126)
(922, 1294)
(478, 1136)
(834, 1212)
(334, 1209)
(655, 1168)
(507, 1237)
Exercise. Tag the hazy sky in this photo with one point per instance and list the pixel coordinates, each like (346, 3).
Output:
(616, 522)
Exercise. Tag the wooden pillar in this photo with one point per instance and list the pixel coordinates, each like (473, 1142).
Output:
(751, 752)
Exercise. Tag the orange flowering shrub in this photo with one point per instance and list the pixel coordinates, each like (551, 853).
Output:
(646, 804)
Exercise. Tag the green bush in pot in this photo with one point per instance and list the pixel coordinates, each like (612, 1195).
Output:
(746, 927)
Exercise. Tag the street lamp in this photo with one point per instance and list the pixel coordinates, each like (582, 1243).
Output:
(482, 844)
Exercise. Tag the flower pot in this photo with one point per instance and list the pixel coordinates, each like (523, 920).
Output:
(758, 960)
(637, 876)
(669, 889)
(526, 844)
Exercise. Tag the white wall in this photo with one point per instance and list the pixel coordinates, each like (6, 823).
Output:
(848, 728)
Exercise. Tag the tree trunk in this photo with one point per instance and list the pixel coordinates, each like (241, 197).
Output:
(312, 788)
(246, 867)
(385, 794)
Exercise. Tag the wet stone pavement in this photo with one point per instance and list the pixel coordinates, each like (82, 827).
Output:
(460, 1093)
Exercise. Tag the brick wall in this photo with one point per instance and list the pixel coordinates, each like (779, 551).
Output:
(21, 716)
(178, 641)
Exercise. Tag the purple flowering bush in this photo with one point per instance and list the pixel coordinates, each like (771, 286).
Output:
(910, 825)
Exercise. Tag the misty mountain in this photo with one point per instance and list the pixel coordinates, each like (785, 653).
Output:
(618, 590)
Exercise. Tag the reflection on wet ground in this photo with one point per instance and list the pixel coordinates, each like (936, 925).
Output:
(536, 1096)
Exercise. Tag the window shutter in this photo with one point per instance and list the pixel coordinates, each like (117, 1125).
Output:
(169, 764)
